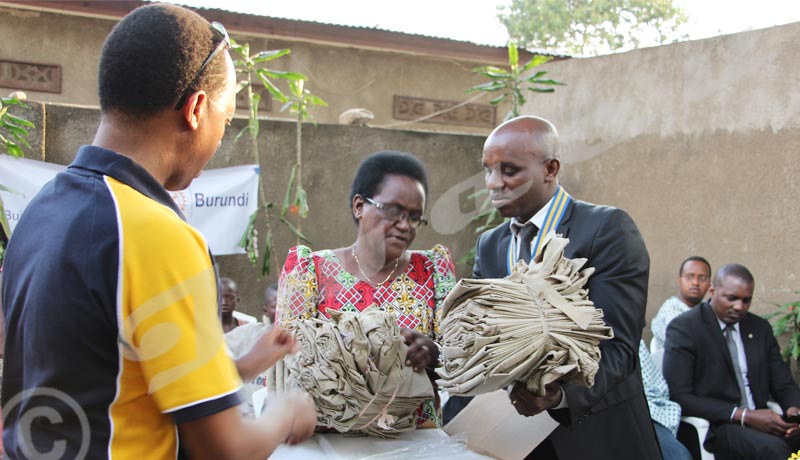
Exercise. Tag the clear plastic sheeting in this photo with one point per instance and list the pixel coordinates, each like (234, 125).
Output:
(353, 366)
(535, 326)
(413, 445)
(454, 447)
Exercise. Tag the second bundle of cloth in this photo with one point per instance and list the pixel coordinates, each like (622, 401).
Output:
(353, 366)
(535, 326)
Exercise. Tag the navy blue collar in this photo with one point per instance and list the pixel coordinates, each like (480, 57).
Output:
(109, 163)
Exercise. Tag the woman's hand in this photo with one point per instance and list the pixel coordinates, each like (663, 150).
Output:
(422, 352)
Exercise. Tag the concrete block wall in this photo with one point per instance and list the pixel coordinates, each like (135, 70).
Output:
(700, 142)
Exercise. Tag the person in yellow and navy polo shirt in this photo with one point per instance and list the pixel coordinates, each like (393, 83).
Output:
(113, 344)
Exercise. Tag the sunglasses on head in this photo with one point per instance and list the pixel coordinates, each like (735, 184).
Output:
(225, 42)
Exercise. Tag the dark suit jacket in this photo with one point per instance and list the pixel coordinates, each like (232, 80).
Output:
(699, 370)
(609, 239)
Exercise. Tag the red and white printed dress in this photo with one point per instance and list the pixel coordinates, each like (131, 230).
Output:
(311, 283)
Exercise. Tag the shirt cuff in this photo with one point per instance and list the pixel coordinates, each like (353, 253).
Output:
(206, 408)
(563, 404)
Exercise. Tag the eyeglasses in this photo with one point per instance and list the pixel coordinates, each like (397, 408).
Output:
(225, 42)
(397, 213)
(700, 278)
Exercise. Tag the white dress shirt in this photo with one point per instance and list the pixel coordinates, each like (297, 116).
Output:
(537, 220)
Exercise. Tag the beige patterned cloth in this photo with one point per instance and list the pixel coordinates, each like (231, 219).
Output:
(353, 366)
(535, 326)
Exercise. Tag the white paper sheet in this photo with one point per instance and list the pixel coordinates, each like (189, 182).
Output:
(493, 427)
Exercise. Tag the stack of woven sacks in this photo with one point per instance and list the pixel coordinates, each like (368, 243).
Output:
(535, 326)
(353, 366)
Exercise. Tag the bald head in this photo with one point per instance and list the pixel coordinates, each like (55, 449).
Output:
(520, 158)
(540, 135)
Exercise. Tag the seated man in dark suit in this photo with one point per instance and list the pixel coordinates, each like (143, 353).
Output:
(723, 364)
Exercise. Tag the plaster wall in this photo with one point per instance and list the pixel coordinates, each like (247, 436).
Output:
(699, 142)
(71, 42)
(345, 77)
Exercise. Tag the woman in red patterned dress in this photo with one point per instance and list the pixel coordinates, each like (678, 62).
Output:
(388, 198)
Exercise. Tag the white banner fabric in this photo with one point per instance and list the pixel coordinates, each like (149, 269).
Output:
(219, 203)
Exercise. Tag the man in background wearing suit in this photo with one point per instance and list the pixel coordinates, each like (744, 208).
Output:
(723, 364)
(610, 419)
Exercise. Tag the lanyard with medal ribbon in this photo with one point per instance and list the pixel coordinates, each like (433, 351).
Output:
(551, 221)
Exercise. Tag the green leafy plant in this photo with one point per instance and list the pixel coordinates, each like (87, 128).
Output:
(788, 320)
(510, 85)
(253, 70)
(298, 103)
(13, 137)
(13, 129)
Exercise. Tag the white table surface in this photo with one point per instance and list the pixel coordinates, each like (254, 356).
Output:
(413, 445)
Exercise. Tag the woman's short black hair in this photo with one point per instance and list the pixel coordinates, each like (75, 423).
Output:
(151, 56)
(373, 169)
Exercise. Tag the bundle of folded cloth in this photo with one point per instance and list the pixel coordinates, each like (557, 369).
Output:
(535, 326)
(353, 366)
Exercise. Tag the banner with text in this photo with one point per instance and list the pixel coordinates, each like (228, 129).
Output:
(219, 203)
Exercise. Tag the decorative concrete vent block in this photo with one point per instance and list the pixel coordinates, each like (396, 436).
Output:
(443, 112)
(30, 76)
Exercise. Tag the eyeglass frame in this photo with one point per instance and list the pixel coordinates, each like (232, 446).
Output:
(405, 214)
(225, 42)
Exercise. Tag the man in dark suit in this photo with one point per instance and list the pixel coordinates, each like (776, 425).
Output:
(610, 419)
(723, 364)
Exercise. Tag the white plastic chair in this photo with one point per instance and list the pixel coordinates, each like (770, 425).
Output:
(654, 346)
(775, 407)
(700, 425)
